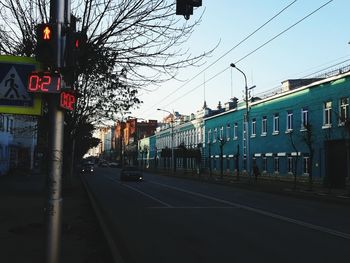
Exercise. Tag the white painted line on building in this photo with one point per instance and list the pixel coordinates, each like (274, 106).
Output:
(265, 213)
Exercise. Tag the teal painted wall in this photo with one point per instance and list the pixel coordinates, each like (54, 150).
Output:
(312, 99)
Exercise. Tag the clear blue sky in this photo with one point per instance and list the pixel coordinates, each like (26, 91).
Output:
(319, 41)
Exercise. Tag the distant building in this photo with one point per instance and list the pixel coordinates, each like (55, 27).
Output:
(126, 137)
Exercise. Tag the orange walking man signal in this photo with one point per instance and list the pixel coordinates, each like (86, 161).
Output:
(47, 33)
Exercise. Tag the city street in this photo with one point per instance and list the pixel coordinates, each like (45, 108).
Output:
(165, 219)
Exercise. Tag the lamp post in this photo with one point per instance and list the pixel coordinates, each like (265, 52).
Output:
(246, 118)
(172, 138)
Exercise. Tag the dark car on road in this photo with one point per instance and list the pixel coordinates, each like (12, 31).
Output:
(115, 165)
(87, 169)
(131, 173)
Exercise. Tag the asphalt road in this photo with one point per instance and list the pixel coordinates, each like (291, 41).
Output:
(165, 219)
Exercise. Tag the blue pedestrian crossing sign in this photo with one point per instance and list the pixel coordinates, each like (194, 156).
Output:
(14, 97)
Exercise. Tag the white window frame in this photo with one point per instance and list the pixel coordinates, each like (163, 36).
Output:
(290, 165)
(235, 131)
(215, 135)
(304, 119)
(276, 123)
(228, 131)
(327, 114)
(264, 126)
(289, 123)
(221, 132)
(276, 164)
(306, 164)
(209, 136)
(265, 164)
(343, 110)
(253, 134)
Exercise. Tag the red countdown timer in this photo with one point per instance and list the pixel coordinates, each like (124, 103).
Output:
(44, 82)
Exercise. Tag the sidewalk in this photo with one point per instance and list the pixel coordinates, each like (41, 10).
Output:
(22, 223)
(274, 184)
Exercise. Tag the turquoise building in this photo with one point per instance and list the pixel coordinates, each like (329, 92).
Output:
(302, 129)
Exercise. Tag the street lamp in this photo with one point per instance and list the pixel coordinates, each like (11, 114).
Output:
(247, 117)
(172, 138)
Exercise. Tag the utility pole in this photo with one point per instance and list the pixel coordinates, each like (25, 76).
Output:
(56, 115)
(246, 122)
(173, 164)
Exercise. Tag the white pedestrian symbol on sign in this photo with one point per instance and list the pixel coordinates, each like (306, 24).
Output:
(12, 87)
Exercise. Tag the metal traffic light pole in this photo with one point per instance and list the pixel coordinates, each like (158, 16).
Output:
(56, 116)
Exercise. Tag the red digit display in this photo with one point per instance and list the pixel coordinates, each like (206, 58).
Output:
(67, 100)
(33, 83)
(44, 82)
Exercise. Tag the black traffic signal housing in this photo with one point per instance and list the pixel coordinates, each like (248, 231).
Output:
(185, 7)
(74, 54)
(75, 48)
(46, 44)
(80, 47)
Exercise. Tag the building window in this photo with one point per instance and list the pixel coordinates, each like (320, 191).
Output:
(235, 131)
(265, 164)
(227, 163)
(290, 165)
(209, 135)
(1, 122)
(276, 123)
(264, 126)
(327, 114)
(228, 129)
(277, 164)
(215, 135)
(7, 128)
(289, 121)
(306, 165)
(253, 127)
(344, 110)
(221, 132)
(304, 118)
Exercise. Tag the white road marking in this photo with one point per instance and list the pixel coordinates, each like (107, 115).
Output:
(143, 193)
(192, 207)
(262, 212)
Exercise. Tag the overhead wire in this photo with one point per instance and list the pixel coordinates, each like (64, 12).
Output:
(225, 54)
(252, 52)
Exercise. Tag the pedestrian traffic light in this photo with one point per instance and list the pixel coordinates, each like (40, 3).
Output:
(45, 47)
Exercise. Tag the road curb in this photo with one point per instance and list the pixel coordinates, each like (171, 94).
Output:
(106, 232)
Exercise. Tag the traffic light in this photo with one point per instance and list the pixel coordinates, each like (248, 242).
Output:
(46, 44)
(74, 54)
(185, 7)
(196, 3)
(80, 47)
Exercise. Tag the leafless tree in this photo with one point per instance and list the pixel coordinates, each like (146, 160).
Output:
(133, 45)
